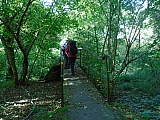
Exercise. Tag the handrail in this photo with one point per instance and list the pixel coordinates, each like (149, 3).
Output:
(101, 59)
(108, 63)
(91, 53)
(62, 76)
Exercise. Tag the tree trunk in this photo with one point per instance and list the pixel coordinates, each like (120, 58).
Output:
(9, 72)
(25, 70)
(7, 43)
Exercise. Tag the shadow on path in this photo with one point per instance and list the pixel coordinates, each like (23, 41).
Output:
(83, 99)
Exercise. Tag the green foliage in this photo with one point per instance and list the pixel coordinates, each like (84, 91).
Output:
(119, 105)
(98, 26)
(2, 63)
(6, 84)
(127, 86)
(147, 114)
(47, 58)
(139, 83)
(39, 28)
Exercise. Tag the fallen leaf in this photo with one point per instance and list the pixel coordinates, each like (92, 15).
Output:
(85, 107)
(129, 116)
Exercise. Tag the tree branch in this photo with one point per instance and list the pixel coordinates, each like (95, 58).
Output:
(9, 28)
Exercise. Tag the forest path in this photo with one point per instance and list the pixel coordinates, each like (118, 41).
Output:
(83, 99)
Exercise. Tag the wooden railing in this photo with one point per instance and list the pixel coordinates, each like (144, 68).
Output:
(98, 69)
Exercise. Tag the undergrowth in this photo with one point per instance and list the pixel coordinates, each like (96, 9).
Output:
(58, 114)
(5, 84)
(138, 94)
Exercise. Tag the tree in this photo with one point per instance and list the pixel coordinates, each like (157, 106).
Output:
(28, 25)
(119, 27)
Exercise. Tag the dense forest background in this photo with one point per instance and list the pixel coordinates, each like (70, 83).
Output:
(125, 30)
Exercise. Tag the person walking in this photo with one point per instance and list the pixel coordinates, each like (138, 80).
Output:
(72, 51)
(63, 47)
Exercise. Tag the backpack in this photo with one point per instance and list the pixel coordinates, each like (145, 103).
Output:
(72, 47)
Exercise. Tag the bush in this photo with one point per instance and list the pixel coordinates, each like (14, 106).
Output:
(5, 84)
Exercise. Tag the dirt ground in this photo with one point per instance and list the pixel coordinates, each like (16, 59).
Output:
(29, 102)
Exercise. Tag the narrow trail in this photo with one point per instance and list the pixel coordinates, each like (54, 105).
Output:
(83, 99)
